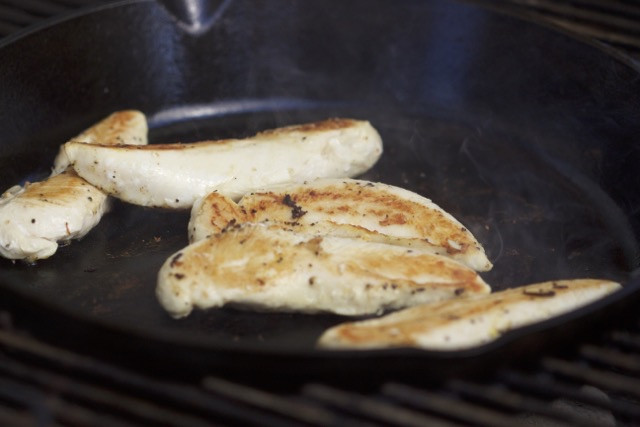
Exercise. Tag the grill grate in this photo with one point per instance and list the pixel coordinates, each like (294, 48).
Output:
(598, 385)
(18, 14)
(614, 23)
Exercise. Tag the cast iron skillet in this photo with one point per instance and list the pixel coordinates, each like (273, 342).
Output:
(528, 136)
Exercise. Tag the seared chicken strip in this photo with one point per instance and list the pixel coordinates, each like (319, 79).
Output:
(263, 268)
(463, 323)
(371, 211)
(175, 175)
(34, 218)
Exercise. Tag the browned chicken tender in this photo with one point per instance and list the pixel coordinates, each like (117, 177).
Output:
(269, 268)
(370, 211)
(463, 323)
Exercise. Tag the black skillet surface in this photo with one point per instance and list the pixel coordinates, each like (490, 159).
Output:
(527, 136)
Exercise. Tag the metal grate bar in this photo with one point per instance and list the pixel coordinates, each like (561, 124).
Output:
(568, 9)
(500, 396)
(180, 398)
(612, 358)
(578, 372)
(18, 418)
(593, 31)
(7, 28)
(13, 418)
(18, 14)
(448, 405)
(372, 408)
(551, 388)
(38, 7)
(16, 394)
(36, 407)
(293, 409)
(626, 339)
(624, 7)
(81, 3)
(101, 399)
(613, 22)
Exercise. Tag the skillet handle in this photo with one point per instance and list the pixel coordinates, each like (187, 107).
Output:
(195, 16)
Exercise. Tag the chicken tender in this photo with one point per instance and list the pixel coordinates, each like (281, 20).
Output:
(463, 323)
(366, 210)
(36, 217)
(266, 268)
(176, 175)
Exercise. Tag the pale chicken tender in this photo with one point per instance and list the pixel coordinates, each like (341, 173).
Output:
(263, 268)
(176, 175)
(36, 217)
(463, 323)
